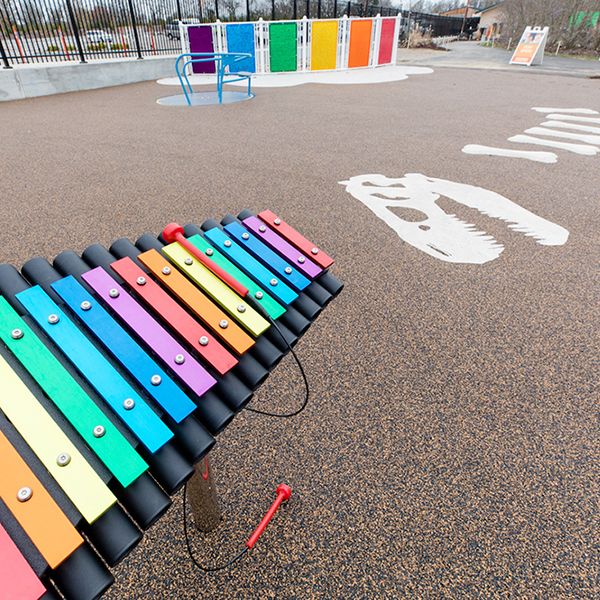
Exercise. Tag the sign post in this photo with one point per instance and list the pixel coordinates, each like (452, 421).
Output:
(531, 46)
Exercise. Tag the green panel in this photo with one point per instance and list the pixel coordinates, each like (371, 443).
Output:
(78, 408)
(274, 309)
(283, 47)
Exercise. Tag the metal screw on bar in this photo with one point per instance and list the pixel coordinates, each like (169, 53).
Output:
(113, 293)
(53, 319)
(156, 380)
(288, 270)
(99, 431)
(277, 221)
(209, 252)
(24, 494)
(85, 305)
(141, 281)
(179, 359)
(128, 403)
(258, 295)
(188, 261)
(273, 282)
(227, 243)
(245, 236)
(301, 260)
(224, 324)
(262, 228)
(166, 270)
(241, 308)
(314, 251)
(203, 341)
(75, 30)
(135, 31)
(16, 334)
(63, 459)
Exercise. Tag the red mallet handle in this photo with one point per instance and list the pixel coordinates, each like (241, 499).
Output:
(173, 232)
(283, 495)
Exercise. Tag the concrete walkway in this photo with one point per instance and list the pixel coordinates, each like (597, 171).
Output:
(472, 55)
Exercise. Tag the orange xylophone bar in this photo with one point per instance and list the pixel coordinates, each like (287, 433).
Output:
(143, 500)
(82, 574)
(291, 333)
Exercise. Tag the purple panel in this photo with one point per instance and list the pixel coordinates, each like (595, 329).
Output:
(148, 329)
(282, 247)
(201, 40)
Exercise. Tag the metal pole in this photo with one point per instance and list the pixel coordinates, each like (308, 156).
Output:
(308, 9)
(136, 37)
(295, 15)
(178, 10)
(319, 9)
(247, 10)
(75, 30)
(272, 10)
(4, 57)
(349, 9)
(465, 17)
(217, 10)
(202, 495)
(335, 9)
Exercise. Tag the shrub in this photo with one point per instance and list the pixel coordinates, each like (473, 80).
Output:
(119, 46)
(53, 48)
(97, 47)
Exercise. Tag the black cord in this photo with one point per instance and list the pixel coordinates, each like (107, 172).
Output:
(266, 413)
(189, 546)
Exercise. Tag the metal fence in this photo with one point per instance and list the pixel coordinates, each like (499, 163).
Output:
(38, 31)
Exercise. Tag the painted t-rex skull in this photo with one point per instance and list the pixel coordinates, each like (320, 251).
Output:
(444, 235)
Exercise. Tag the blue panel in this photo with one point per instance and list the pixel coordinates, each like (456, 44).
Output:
(125, 349)
(250, 265)
(240, 38)
(263, 253)
(104, 378)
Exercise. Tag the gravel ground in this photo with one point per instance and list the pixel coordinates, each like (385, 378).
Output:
(451, 445)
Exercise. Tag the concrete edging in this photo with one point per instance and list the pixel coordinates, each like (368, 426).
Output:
(30, 81)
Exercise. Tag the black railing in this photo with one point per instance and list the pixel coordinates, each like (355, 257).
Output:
(37, 31)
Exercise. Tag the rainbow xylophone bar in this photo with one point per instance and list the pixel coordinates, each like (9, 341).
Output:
(118, 368)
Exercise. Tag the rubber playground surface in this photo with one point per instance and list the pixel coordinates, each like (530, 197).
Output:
(450, 447)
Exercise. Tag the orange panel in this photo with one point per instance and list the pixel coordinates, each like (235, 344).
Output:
(196, 301)
(40, 517)
(360, 43)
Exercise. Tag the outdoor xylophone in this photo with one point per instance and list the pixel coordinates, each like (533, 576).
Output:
(117, 368)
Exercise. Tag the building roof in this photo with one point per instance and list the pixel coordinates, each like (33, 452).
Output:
(484, 10)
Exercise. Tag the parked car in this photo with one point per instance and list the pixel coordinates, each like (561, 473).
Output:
(172, 28)
(98, 36)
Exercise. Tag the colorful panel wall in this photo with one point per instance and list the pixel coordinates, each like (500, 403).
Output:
(201, 40)
(386, 44)
(240, 38)
(283, 47)
(360, 43)
(323, 46)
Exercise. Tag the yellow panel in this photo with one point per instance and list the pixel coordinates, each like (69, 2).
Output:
(217, 290)
(323, 45)
(77, 478)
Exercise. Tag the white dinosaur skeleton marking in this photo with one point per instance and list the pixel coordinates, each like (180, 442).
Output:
(552, 128)
(577, 111)
(567, 125)
(537, 156)
(442, 235)
(584, 149)
(582, 120)
(567, 135)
